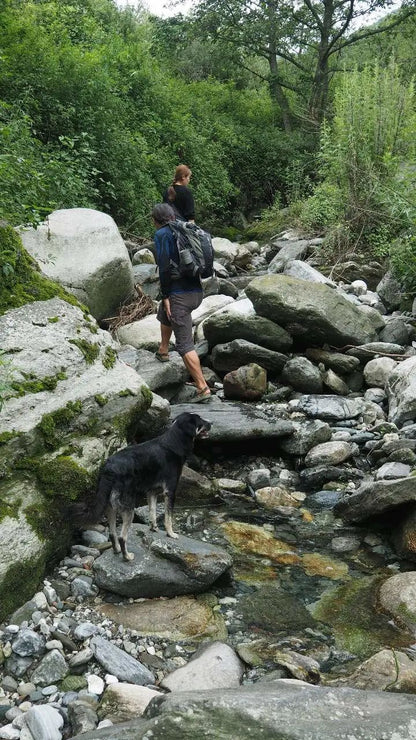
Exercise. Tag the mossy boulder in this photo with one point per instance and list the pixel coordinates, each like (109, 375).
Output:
(55, 435)
(309, 311)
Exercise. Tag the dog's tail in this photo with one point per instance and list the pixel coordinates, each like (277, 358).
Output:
(91, 510)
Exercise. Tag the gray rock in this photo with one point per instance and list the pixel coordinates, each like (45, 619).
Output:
(329, 453)
(332, 408)
(52, 668)
(378, 371)
(213, 666)
(44, 722)
(392, 471)
(17, 666)
(303, 271)
(247, 383)
(306, 435)
(28, 643)
(367, 351)
(375, 498)
(299, 711)
(84, 630)
(387, 670)
(334, 383)
(82, 717)
(239, 321)
(396, 331)
(258, 478)
(232, 355)
(401, 392)
(162, 566)
(289, 250)
(389, 290)
(83, 586)
(302, 375)
(397, 596)
(83, 250)
(156, 374)
(335, 361)
(311, 311)
(238, 421)
(119, 663)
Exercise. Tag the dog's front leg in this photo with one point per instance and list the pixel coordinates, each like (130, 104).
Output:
(127, 518)
(169, 504)
(152, 501)
(112, 525)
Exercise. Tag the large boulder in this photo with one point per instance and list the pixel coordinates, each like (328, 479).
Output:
(72, 403)
(83, 250)
(377, 497)
(282, 709)
(312, 312)
(401, 392)
(162, 566)
(240, 321)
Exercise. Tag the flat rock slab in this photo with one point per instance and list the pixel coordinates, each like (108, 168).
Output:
(236, 421)
(373, 499)
(180, 618)
(162, 566)
(287, 710)
(119, 663)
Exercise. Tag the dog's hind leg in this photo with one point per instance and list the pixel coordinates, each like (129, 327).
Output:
(127, 518)
(152, 501)
(169, 504)
(112, 525)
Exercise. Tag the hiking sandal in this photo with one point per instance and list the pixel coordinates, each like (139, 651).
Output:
(162, 356)
(202, 396)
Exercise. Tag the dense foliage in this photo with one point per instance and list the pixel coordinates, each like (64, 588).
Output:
(99, 104)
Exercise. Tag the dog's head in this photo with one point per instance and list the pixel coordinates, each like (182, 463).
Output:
(193, 424)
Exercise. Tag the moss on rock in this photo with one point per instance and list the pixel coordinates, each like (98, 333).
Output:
(110, 357)
(19, 583)
(53, 425)
(90, 350)
(21, 282)
(63, 478)
(126, 424)
(32, 384)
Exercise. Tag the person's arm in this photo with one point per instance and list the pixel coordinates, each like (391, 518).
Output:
(163, 257)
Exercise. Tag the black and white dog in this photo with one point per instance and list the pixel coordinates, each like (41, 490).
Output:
(141, 470)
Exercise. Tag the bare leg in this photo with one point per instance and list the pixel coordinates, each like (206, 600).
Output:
(152, 500)
(166, 333)
(111, 516)
(193, 366)
(127, 517)
(169, 502)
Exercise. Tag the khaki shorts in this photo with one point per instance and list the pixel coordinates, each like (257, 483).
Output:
(181, 307)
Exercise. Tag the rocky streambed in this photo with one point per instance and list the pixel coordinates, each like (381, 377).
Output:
(287, 606)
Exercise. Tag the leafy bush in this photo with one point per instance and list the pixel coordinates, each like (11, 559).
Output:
(363, 197)
(403, 262)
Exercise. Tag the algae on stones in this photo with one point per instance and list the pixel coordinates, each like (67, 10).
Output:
(356, 624)
(19, 584)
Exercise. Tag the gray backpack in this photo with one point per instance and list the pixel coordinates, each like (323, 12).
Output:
(196, 253)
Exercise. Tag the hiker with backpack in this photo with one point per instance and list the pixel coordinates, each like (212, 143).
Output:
(181, 289)
(179, 196)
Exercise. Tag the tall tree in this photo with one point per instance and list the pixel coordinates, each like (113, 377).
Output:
(301, 40)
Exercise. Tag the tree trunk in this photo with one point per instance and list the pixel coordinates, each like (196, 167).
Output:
(278, 95)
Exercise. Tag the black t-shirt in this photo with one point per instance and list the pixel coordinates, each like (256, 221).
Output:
(183, 203)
